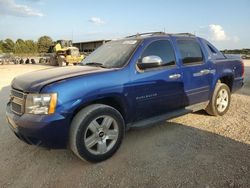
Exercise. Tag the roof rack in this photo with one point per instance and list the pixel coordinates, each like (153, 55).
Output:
(148, 33)
(184, 34)
(160, 33)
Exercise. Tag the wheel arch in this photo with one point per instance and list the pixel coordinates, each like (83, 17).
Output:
(226, 78)
(114, 101)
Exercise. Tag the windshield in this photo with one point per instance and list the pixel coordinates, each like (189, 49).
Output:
(113, 54)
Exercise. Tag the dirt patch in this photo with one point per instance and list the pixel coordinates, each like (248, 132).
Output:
(195, 150)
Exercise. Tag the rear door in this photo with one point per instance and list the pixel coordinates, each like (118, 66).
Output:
(196, 72)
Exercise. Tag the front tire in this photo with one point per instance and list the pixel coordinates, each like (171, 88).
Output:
(220, 102)
(96, 132)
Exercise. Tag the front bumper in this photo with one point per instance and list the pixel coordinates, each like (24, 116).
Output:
(50, 131)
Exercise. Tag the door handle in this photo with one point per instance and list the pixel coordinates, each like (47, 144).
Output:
(174, 76)
(205, 71)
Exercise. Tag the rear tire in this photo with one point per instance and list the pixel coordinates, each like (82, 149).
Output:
(220, 101)
(96, 132)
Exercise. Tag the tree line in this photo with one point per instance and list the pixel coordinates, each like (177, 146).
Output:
(20, 46)
(44, 43)
(244, 51)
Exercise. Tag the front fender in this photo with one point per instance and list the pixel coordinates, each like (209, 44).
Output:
(116, 100)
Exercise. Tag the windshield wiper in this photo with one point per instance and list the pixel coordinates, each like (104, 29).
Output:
(95, 64)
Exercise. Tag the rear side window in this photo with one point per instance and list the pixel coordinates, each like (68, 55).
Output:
(214, 52)
(190, 52)
(161, 48)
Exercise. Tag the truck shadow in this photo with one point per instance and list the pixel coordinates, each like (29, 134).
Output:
(179, 152)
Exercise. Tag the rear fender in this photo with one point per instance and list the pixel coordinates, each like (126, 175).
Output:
(226, 73)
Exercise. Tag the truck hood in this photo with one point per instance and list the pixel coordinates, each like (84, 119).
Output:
(34, 81)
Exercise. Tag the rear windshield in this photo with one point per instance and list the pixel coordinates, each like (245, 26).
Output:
(113, 54)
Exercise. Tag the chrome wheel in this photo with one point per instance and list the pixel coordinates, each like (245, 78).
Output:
(101, 135)
(222, 100)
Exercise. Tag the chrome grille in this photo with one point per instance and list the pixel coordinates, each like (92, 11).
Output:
(17, 99)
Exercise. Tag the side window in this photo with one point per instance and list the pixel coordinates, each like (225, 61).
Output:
(190, 52)
(163, 49)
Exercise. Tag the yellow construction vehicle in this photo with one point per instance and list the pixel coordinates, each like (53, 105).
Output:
(65, 54)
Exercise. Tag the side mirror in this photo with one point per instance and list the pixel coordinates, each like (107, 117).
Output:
(149, 62)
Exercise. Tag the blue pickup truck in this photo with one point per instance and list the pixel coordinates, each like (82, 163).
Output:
(132, 82)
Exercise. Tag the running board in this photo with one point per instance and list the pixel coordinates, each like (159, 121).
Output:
(176, 113)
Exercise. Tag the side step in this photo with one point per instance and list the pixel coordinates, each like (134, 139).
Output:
(176, 113)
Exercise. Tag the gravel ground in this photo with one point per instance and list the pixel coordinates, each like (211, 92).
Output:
(195, 150)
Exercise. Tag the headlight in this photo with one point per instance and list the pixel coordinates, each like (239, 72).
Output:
(41, 103)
